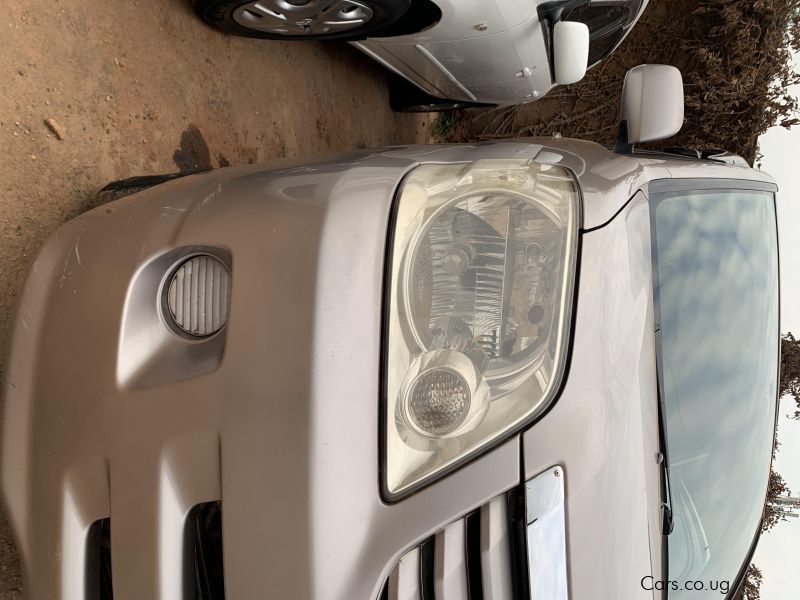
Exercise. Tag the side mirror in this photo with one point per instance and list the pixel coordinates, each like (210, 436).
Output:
(652, 104)
(570, 51)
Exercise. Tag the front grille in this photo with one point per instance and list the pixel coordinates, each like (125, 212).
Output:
(478, 557)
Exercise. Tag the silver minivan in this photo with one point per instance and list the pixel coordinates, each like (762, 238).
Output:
(449, 53)
(539, 368)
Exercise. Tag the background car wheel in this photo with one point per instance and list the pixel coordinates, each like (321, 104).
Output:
(406, 97)
(302, 19)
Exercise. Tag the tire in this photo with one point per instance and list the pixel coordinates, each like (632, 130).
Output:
(406, 97)
(300, 19)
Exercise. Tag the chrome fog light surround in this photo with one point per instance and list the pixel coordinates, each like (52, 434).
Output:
(195, 296)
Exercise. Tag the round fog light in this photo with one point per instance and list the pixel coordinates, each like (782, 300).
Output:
(443, 395)
(439, 401)
(197, 297)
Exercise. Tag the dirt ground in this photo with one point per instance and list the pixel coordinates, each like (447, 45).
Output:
(143, 87)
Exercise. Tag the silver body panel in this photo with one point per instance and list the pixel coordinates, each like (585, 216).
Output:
(612, 477)
(491, 52)
(284, 427)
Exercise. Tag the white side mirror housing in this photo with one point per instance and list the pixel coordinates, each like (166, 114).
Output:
(570, 51)
(652, 103)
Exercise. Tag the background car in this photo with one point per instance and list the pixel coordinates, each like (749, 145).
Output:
(506, 367)
(449, 53)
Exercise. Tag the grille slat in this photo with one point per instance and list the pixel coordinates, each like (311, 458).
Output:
(426, 570)
(473, 550)
(404, 582)
(495, 551)
(450, 562)
(469, 559)
(517, 532)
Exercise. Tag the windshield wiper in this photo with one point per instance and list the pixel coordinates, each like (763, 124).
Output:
(667, 523)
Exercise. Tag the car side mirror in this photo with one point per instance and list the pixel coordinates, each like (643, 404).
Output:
(652, 104)
(570, 51)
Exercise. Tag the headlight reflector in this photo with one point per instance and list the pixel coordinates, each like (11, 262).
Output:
(482, 270)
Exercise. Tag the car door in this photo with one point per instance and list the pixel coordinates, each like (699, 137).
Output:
(505, 68)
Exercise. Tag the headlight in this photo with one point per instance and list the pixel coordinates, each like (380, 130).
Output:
(482, 269)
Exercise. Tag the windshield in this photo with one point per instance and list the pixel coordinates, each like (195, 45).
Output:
(716, 291)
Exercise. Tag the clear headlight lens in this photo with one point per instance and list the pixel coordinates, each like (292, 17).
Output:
(482, 270)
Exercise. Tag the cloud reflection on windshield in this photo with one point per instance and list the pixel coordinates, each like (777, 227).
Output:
(716, 255)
